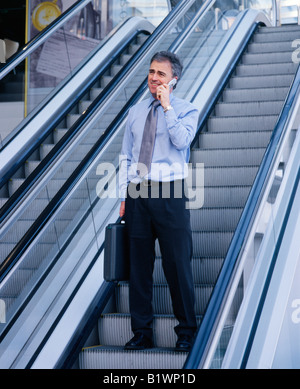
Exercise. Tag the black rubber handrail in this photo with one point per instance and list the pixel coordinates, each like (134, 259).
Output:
(217, 299)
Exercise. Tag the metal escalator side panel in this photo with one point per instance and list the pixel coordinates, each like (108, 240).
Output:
(259, 322)
(231, 275)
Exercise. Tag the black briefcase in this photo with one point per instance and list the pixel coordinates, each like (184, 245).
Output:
(116, 258)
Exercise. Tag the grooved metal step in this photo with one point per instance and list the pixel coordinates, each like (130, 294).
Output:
(208, 140)
(256, 108)
(255, 94)
(116, 358)
(242, 123)
(227, 176)
(261, 81)
(208, 244)
(266, 58)
(162, 303)
(115, 330)
(228, 157)
(267, 47)
(267, 69)
(226, 196)
(215, 219)
(205, 270)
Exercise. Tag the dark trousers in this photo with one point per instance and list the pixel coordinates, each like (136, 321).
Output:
(163, 217)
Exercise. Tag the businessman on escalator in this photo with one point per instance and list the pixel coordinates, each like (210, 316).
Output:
(155, 153)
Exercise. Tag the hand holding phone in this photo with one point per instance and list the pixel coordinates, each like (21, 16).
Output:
(163, 93)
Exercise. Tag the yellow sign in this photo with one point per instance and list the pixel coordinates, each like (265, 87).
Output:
(44, 13)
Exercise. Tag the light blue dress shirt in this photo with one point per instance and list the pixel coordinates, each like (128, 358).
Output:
(176, 130)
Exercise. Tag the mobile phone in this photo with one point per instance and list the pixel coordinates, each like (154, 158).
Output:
(172, 83)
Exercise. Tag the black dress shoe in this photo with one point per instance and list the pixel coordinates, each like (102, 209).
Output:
(184, 343)
(139, 342)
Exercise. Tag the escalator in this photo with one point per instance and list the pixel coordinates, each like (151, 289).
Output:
(53, 280)
(231, 146)
(24, 263)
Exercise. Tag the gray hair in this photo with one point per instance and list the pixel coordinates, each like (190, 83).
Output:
(172, 58)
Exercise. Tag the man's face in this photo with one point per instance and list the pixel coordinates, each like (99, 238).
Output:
(159, 73)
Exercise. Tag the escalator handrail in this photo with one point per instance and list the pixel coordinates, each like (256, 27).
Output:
(41, 37)
(46, 214)
(202, 341)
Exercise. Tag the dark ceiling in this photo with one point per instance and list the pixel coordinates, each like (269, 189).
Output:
(12, 20)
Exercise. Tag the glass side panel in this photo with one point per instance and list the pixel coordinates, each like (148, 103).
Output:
(249, 256)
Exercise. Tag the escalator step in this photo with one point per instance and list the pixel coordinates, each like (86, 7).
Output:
(226, 176)
(14, 184)
(215, 219)
(266, 47)
(271, 93)
(261, 81)
(274, 36)
(228, 157)
(205, 270)
(241, 123)
(207, 244)
(116, 358)
(266, 69)
(162, 303)
(211, 244)
(225, 196)
(115, 330)
(17, 282)
(249, 108)
(266, 58)
(234, 139)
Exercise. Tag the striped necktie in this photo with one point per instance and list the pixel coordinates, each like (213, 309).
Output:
(146, 151)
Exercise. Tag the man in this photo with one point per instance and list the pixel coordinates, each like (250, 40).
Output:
(149, 212)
